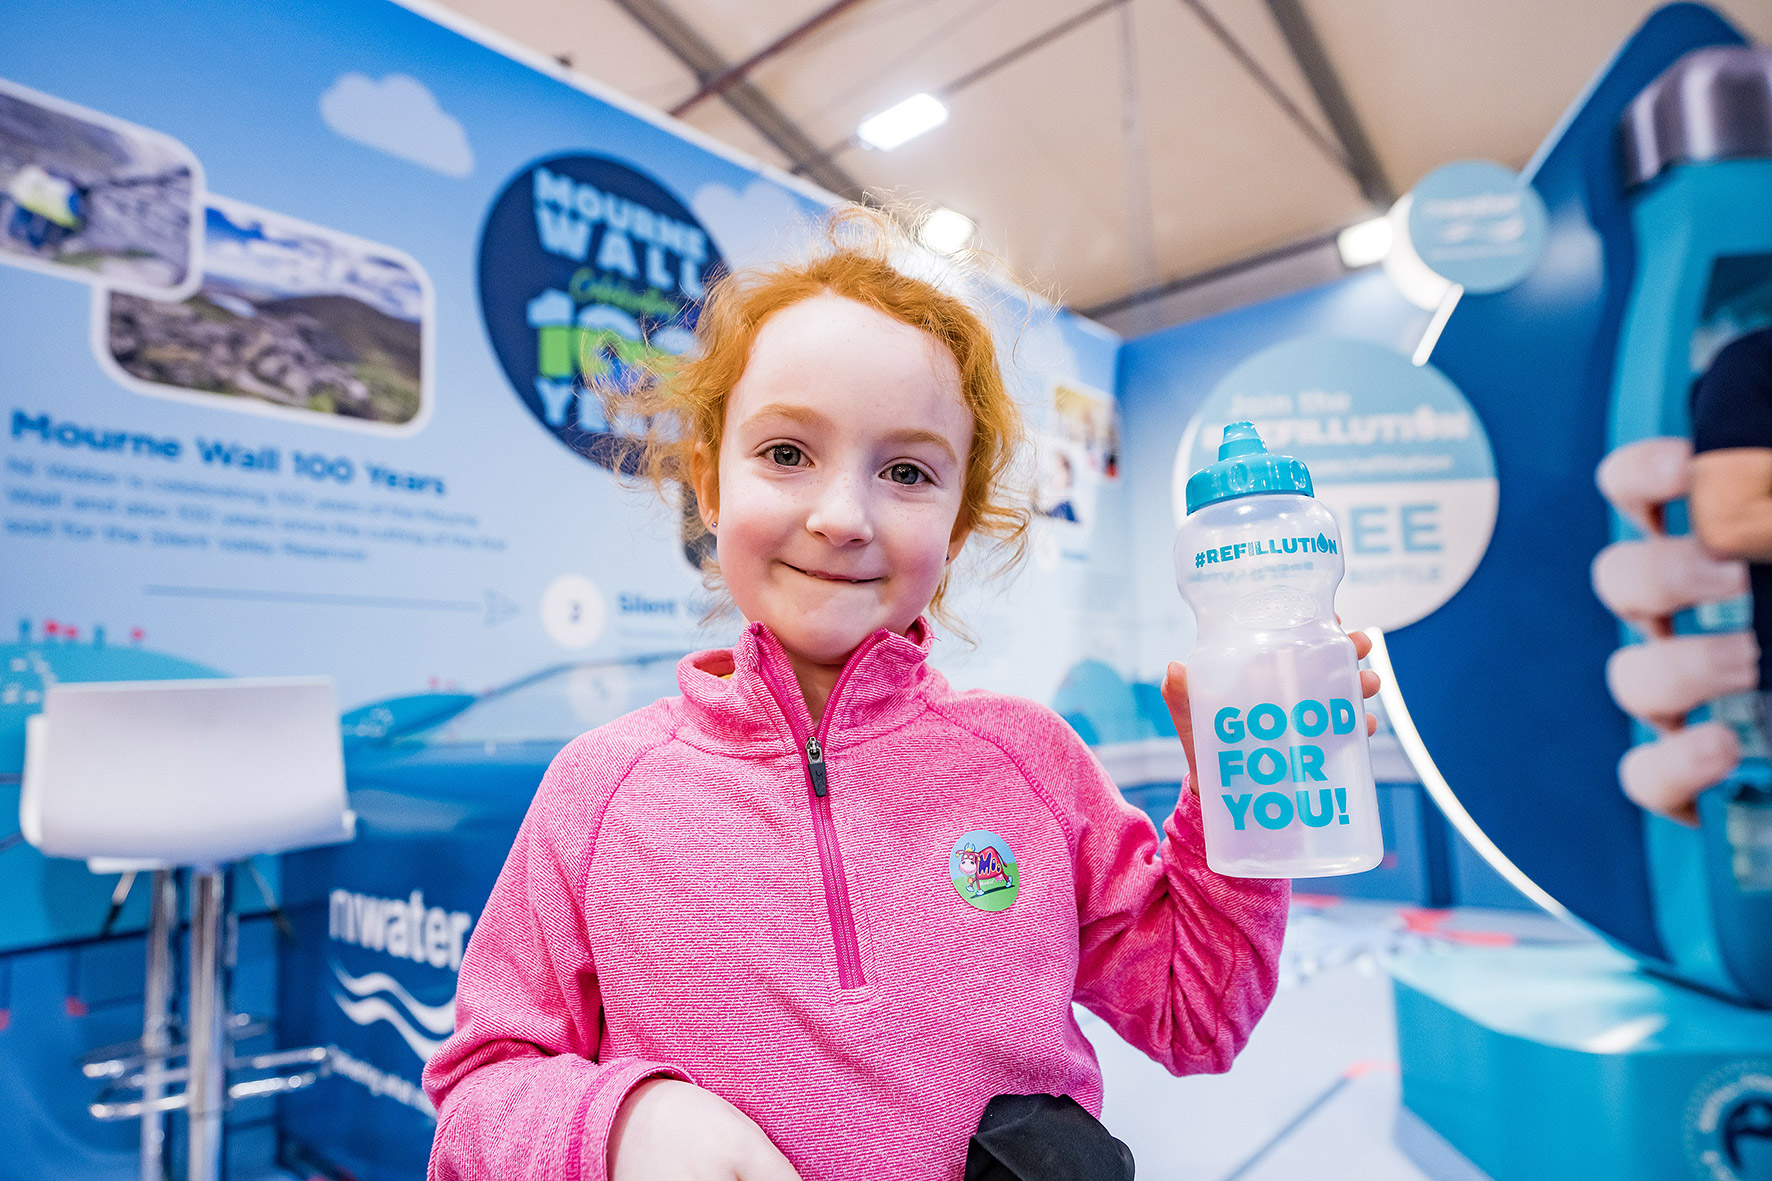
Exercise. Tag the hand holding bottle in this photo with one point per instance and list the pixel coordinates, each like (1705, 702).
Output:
(1279, 744)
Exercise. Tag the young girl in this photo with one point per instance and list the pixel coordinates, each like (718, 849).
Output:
(807, 919)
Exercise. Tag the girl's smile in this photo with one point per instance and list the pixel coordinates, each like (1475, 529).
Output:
(829, 577)
(840, 480)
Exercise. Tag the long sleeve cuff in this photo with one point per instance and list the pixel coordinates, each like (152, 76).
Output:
(618, 1082)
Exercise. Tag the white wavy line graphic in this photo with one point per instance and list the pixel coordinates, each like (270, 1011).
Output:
(369, 1010)
(439, 1019)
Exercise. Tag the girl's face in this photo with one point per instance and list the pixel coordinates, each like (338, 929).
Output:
(840, 477)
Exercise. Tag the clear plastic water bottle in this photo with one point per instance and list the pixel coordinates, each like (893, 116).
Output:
(1284, 772)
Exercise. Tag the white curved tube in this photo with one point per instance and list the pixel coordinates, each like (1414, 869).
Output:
(1409, 738)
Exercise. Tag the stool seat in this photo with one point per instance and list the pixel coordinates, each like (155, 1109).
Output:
(152, 774)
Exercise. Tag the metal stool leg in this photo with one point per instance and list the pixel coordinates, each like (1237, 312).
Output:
(142, 1081)
(207, 1088)
(156, 1023)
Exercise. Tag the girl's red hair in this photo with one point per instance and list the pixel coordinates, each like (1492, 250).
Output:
(683, 405)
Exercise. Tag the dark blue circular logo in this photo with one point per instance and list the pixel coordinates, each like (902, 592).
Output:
(587, 269)
(1728, 1124)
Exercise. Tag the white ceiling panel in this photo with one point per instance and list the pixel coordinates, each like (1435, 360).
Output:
(1037, 150)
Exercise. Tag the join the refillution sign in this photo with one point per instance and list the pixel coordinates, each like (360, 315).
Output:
(1395, 452)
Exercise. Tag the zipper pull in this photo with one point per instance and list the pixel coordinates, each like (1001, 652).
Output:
(815, 764)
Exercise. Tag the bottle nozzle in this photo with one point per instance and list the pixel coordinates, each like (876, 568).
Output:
(1244, 466)
(1240, 438)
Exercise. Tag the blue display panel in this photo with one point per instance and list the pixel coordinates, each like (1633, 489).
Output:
(1539, 772)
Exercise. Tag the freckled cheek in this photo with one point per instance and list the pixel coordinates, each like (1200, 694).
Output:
(742, 547)
(928, 567)
(753, 542)
(920, 545)
(763, 506)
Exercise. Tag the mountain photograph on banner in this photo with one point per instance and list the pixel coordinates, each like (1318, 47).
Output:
(90, 197)
(290, 318)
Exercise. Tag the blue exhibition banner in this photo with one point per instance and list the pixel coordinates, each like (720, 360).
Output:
(299, 304)
(296, 348)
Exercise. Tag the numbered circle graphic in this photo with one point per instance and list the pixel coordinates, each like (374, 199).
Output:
(572, 611)
(588, 269)
(1395, 451)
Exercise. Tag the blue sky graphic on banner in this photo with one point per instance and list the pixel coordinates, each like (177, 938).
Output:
(245, 250)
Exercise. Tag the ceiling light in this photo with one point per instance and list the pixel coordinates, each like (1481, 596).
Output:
(1364, 244)
(946, 232)
(902, 123)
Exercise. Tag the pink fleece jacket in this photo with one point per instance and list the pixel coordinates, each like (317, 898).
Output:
(712, 889)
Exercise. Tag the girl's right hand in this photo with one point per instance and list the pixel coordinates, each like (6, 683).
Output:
(668, 1130)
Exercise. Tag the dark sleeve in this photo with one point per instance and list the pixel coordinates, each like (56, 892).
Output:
(1732, 404)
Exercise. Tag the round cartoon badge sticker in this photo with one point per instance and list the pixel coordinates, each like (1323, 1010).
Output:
(984, 872)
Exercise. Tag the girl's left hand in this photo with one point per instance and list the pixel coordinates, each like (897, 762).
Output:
(1175, 696)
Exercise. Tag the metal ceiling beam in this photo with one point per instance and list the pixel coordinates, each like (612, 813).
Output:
(1037, 41)
(689, 47)
(1269, 87)
(1307, 50)
(786, 41)
(1212, 275)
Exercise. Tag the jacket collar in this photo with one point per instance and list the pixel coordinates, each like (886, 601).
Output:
(745, 700)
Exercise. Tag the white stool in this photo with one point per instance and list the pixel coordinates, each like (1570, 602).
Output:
(156, 775)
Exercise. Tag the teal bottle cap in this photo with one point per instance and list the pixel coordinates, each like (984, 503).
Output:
(1245, 468)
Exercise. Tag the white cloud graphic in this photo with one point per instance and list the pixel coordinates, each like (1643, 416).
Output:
(763, 224)
(400, 116)
(1041, 349)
